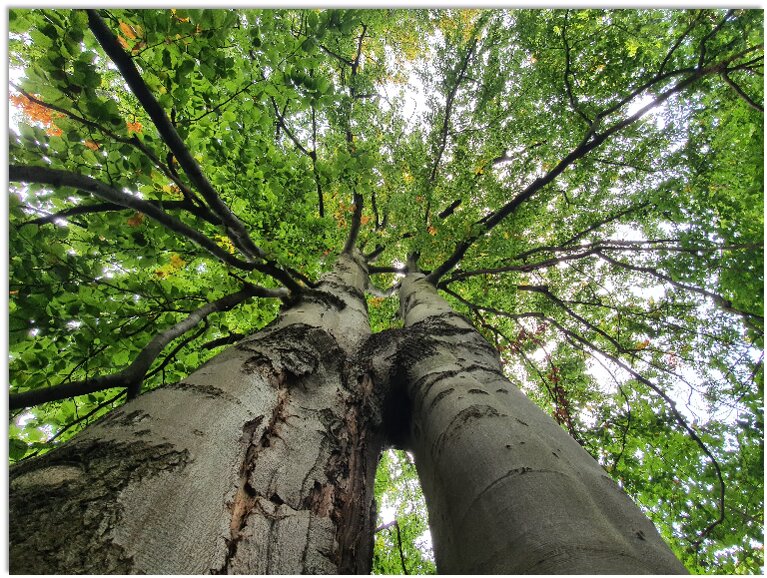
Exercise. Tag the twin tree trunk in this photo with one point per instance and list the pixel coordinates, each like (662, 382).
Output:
(263, 460)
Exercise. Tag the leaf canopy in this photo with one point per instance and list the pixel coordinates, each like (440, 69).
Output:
(585, 185)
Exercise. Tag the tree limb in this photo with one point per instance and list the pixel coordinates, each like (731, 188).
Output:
(58, 178)
(130, 73)
(283, 124)
(228, 340)
(591, 141)
(449, 106)
(184, 342)
(224, 102)
(195, 206)
(679, 41)
(106, 207)
(132, 376)
(718, 299)
(710, 35)
(355, 225)
(741, 93)
(71, 424)
(395, 525)
(313, 154)
(580, 251)
(568, 86)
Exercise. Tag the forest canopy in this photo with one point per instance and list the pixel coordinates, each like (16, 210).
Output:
(585, 186)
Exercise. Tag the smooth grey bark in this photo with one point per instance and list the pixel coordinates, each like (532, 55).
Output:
(508, 490)
(262, 461)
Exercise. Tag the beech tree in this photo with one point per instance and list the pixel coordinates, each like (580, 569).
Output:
(252, 249)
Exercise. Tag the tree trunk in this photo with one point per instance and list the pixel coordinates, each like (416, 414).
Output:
(508, 490)
(262, 461)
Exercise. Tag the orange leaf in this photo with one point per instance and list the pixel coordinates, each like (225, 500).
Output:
(128, 30)
(136, 219)
(173, 11)
(91, 145)
(34, 111)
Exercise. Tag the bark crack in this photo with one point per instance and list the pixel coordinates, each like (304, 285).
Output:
(246, 498)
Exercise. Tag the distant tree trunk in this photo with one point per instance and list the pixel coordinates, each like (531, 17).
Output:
(262, 461)
(508, 490)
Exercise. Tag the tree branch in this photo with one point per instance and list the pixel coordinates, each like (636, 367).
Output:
(71, 424)
(448, 109)
(568, 86)
(313, 154)
(106, 207)
(58, 178)
(580, 251)
(228, 340)
(235, 228)
(224, 102)
(741, 93)
(591, 141)
(395, 524)
(198, 209)
(184, 342)
(718, 299)
(355, 225)
(595, 226)
(679, 41)
(283, 124)
(710, 35)
(132, 376)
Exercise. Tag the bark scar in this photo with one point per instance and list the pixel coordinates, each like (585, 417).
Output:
(245, 499)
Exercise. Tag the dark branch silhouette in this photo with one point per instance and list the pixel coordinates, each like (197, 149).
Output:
(132, 376)
(590, 141)
(130, 73)
(741, 93)
(354, 229)
(106, 207)
(59, 178)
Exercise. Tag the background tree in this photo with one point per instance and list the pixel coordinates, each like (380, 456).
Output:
(584, 186)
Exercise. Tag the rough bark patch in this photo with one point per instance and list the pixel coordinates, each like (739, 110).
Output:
(320, 499)
(121, 418)
(65, 503)
(246, 498)
(288, 354)
(209, 391)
